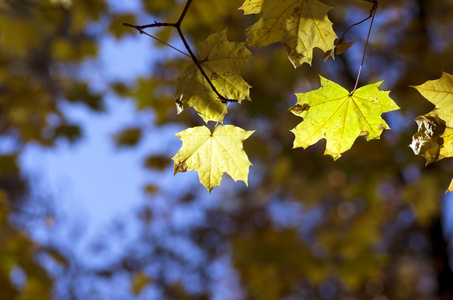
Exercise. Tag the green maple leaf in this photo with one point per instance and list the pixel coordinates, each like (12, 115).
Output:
(434, 138)
(212, 154)
(301, 25)
(332, 113)
(222, 61)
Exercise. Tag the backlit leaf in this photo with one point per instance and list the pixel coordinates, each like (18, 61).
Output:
(222, 61)
(212, 154)
(438, 92)
(332, 113)
(301, 25)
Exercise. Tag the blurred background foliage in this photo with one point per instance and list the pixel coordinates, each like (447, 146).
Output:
(368, 226)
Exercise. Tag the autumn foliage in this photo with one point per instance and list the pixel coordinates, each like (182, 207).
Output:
(365, 221)
(331, 112)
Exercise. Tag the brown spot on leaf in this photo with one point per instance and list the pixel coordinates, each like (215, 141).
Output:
(382, 127)
(182, 167)
(298, 109)
(364, 133)
(214, 76)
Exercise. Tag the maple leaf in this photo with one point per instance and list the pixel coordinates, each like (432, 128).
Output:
(212, 154)
(434, 138)
(222, 61)
(301, 25)
(331, 112)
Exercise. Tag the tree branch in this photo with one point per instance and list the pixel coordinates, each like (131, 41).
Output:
(195, 60)
(373, 9)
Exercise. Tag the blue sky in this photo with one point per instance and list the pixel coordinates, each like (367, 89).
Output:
(93, 180)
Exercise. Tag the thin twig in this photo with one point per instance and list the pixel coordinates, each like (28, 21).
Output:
(177, 25)
(159, 40)
(183, 14)
(373, 12)
(358, 23)
(155, 24)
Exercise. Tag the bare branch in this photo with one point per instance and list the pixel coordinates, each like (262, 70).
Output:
(195, 60)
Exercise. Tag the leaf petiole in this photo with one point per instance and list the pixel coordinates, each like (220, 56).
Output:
(373, 9)
(372, 15)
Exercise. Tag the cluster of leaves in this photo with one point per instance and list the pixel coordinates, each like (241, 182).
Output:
(375, 202)
(40, 41)
(360, 201)
(18, 252)
(57, 32)
(434, 138)
(330, 113)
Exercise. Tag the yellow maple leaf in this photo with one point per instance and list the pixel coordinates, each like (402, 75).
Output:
(333, 113)
(222, 61)
(301, 25)
(439, 91)
(434, 138)
(212, 154)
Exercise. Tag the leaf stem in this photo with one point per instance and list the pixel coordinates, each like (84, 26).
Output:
(177, 25)
(358, 23)
(373, 14)
(223, 113)
(151, 36)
